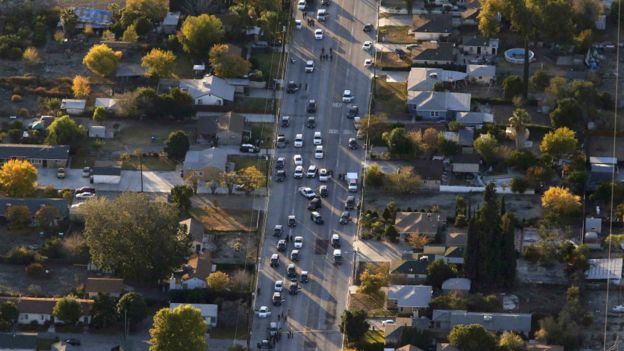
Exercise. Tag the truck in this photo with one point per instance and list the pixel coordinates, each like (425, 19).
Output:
(352, 181)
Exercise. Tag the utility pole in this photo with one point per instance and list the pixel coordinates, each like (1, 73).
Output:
(141, 169)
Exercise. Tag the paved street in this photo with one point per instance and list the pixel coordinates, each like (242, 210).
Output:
(313, 315)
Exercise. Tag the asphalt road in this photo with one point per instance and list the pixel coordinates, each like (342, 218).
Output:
(313, 314)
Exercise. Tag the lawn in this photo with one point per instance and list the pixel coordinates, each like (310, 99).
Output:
(263, 131)
(253, 105)
(373, 340)
(269, 62)
(149, 164)
(389, 97)
(396, 35)
(229, 333)
(390, 60)
(45, 344)
(373, 304)
(224, 220)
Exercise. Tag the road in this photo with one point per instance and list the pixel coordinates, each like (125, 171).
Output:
(313, 314)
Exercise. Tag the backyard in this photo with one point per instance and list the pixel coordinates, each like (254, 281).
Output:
(389, 97)
(396, 35)
(268, 62)
(390, 60)
(265, 132)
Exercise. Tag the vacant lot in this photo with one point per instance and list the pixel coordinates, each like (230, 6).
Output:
(234, 218)
(235, 248)
(62, 279)
(390, 60)
(396, 35)
(389, 98)
(253, 105)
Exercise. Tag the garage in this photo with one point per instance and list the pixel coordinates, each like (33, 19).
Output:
(106, 175)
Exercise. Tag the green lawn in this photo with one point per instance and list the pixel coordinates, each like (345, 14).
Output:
(229, 333)
(183, 67)
(269, 62)
(388, 97)
(396, 35)
(253, 105)
(263, 131)
(149, 164)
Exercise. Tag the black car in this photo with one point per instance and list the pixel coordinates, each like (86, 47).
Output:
(316, 217)
(314, 204)
(368, 27)
(292, 221)
(350, 202)
(291, 272)
(292, 87)
(280, 175)
(311, 106)
(353, 144)
(281, 245)
(311, 122)
(285, 121)
(73, 342)
(280, 162)
(293, 288)
(324, 2)
(278, 230)
(249, 148)
(353, 111)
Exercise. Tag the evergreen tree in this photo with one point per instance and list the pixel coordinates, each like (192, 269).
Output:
(508, 250)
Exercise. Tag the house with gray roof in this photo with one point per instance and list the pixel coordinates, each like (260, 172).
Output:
(437, 105)
(425, 78)
(431, 26)
(46, 156)
(408, 298)
(445, 320)
(474, 119)
(479, 45)
(223, 129)
(434, 54)
(456, 286)
(410, 269)
(482, 74)
(208, 91)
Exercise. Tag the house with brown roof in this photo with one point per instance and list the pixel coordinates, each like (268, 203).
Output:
(432, 26)
(419, 223)
(224, 129)
(38, 310)
(430, 172)
(193, 274)
(195, 229)
(95, 286)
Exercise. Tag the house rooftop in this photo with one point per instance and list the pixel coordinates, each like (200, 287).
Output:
(432, 23)
(96, 18)
(439, 100)
(207, 310)
(412, 265)
(43, 305)
(466, 158)
(104, 285)
(462, 284)
(171, 19)
(32, 151)
(129, 70)
(107, 171)
(209, 85)
(438, 51)
(474, 118)
(496, 322)
(73, 104)
(194, 228)
(428, 169)
(34, 204)
(202, 159)
(480, 70)
(418, 222)
(424, 78)
(604, 269)
(415, 296)
(479, 40)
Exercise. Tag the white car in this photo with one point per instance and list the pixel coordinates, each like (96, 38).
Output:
(264, 312)
(311, 171)
(367, 45)
(298, 140)
(368, 62)
(318, 153)
(318, 139)
(323, 175)
(298, 172)
(308, 193)
(346, 96)
(85, 195)
(279, 285)
(298, 160)
(301, 5)
(309, 66)
(387, 322)
(318, 34)
(618, 309)
(298, 24)
(298, 243)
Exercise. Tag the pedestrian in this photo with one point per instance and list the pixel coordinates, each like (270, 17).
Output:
(285, 318)
(331, 57)
(304, 14)
(278, 317)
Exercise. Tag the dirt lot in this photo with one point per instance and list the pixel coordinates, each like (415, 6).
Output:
(62, 279)
(236, 248)
(389, 98)
(396, 35)
(220, 219)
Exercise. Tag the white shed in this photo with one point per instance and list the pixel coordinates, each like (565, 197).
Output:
(73, 106)
(97, 132)
(106, 175)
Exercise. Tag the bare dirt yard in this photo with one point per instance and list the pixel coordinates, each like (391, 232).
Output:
(62, 279)
(225, 213)
(236, 248)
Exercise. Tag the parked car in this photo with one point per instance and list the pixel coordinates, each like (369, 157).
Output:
(86, 172)
(280, 175)
(60, 173)
(85, 189)
(307, 192)
(249, 148)
(352, 111)
(281, 245)
(316, 217)
(311, 171)
(323, 191)
(292, 221)
(298, 174)
(285, 121)
(282, 142)
(314, 204)
(345, 217)
(280, 163)
(279, 285)
(292, 87)
(298, 242)
(323, 175)
(264, 312)
(85, 195)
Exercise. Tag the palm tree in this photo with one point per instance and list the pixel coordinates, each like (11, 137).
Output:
(517, 125)
(69, 21)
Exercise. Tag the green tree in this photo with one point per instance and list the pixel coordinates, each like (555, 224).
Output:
(68, 310)
(130, 34)
(512, 86)
(568, 113)
(102, 60)
(519, 184)
(269, 21)
(130, 229)
(9, 312)
(391, 234)
(518, 122)
(99, 114)
(511, 341)
(226, 65)
(81, 87)
(69, 21)
(218, 281)
(181, 197)
(559, 143)
(177, 145)
(486, 146)
(176, 103)
(371, 282)
(398, 142)
(472, 337)
(540, 80)
(65, 131)
(354, 325)
(181, 328)
(103, 311)
(18, 178)
(18, 216)
(439, 271)
(131, 307)
(199, 34)
(560, 202)
(250, 178)
(374, 176)
(158, 63)
(584, 39)
(154, 10)
(522, 159)
(47, 218)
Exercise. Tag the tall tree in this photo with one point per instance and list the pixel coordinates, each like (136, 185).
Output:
(218, 281)
(353, 324)
(439, 271)
(181, 328)
(81, 87)
(68, 310)
(250, 178)
(132, 308)
(181, 197)
(177, 145)
(559, 143)
(18, 178)
(517, 122)
(199, 34)
(226, 65)
(154, 10)
(69, 21)
(486, 145)
(159, 63)
(560, 202)
(102, 60)
(103, 313)
(472, 337)
(65, 131)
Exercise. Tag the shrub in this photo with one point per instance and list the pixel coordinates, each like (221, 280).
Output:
(23, 112)
(35, 270)
(16, 98)
(22, 255)
(52, 248)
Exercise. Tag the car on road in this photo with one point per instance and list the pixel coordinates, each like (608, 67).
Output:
(301, 5)
(368, 27)
(309, 66)
(345, 217)
(85, 195)
(321, 15)
(298, 242)
(352, 143)
(249, 148)
(282, 142)
(84, 189)
(368, 62)
(387, 322)
(318, 139)
(324, 2)
(298, 24)
(279, 285)
(304, 277)
(280, 163)
(307, 192)
(274, 260)
(298, 140)
(311, 122)
(86, 172)
(292, 87)
(295, 255)
(314, 204)
(298, 174)
(285, 121)
(318, 34)
(264, 312)
(280, 175)
(277, 298)
(618, 309)
(60, 173)
(316, 217)
(73, 342)
(291, 272)
(293, 288)
(311, 108)
(323, 191)
(292, 221)
(298, 160)
(311, 171)
(346, 96)
(335, 241)
(367, 45)
(323, 175)
(318, 152)
(281, 245)
(350, 202)
(278, 230)
(352, 111)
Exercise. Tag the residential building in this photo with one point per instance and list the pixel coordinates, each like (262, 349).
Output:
(34, 204)
(463, 137)
(453, 255)
(456, 286)
(434, 54)
(603, 269)
(418, 223)
(106, 175)
(534, 345)
(73, 106)
(127, 71)
(593, 224)
(169, 24)
(209, 312)
(200, 162)
(95, 18)
(474, 119)
(46, 156)
(602, 167)
(98, 132)
(437, 105)
(482, 74)
(392, 333)
(466, 163)
(446, 347)
(111, 105)
(456, 236)
(209, 91)
(408, 298)
(408, 347)
(432, 26)
(445, 320)
(38, 310)
(193, 274)
(95, 286)
(223, 129)
(195, 229)
(430, 172)
(479, 45)
(18, 341)
(411, 269)
(425, 79)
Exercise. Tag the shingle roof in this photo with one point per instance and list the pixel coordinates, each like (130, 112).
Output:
(31, 151)
(416, 296)
(466, 158)
(439, 100)
(481, 71)
(208, 85)
(456, 284)
(440, 51)
(474, 118)
(418, 223)
(116, 171)
(104, 285)
(424, 79)
(411, 266)
(43, 305)
(498, 322)
(433, 23)
(194, 228)
(428, 169)
(34, 204)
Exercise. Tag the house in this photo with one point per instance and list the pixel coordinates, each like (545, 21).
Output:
(411, 269)
(437, 105)
(200, 162)
(195, 229)
(432, 26)
(453, 255)
(224, 129)
(446, 347)
(408, 347)
(95, 18)
(73, 106)
(534, 345)
(111, 286)
(474, 119)
(463, 137)
(209, 312)
(593, 224)
(38, 310)
(208, 91)
(602, 166)
(592, 240)
(603, 269)
(127, 71)
(418, 223)
(482, 74)
(106, 175)
(169, 24)
(241, 85)
(34, 204)
(46, 156)
(193, 274)
(434, 54)
(466, 163)
(456, 286)
(111, 105)
(479, 45)
(425, 79)
(445, 320)
(18, 341)
(456, 236)
(393, 333)
(98, 132)
(408, 298)
(430, 172)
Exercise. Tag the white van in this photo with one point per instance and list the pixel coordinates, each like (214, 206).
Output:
(337, 256)
(301, 5)
(356, 122)
(321, 15)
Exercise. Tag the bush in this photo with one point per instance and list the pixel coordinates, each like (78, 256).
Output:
(52, 248)
(512, 86)
(16, 98)
(35, 270)
(22, 255)
(23, 112)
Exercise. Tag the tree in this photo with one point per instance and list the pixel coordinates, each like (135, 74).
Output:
(214, 177)
(175, 103)
(18, 178)
(81, 87)
(269, 21)
(519, 184)
(130, 34)
(517, 122)
(540, 80)
(439, 271)
(31, 56)
(181, 328)
(158, 63)
(102, 60)
(391, 234)
(218, 281)
(404, 181)
(250, 178)
(512, 86)
(9, 312)
(398, 142)
(522, 159)
(65, 131)
(154, 10)
(561, 202)
(181, 197)
(560, 143)
(18, 216)
(354, 325)
(177, 145)
(69, 21)
(486, 145)
(103, 311)
(417, 241)
(99, 114)
(511, 341)
(130, 229)
(131, 307)
(472, 337)
(374, 176)
(568, 113)
(370, 282)
(199, 33)
(68, 310)
(46, 217)
(373, 127)
(226, 65)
